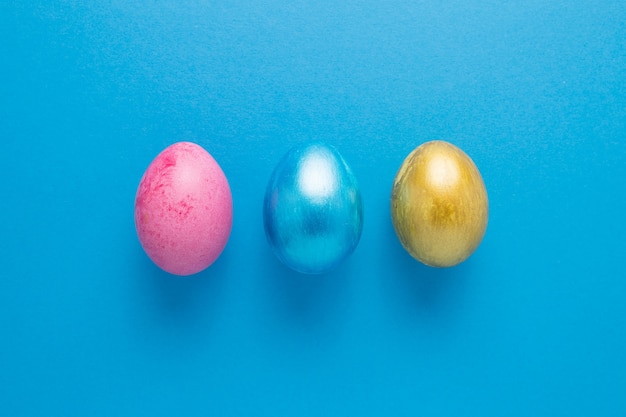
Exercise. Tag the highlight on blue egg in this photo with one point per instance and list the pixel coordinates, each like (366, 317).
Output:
(313, 211)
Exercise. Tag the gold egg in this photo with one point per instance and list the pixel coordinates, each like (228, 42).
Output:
(439, 205)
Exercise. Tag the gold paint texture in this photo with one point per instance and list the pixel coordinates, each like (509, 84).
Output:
(439, 204)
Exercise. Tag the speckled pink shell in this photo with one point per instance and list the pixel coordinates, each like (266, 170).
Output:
(183, 209)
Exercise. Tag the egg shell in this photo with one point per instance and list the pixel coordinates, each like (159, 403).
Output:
(312, 211)
(439, 204)
(183, 209)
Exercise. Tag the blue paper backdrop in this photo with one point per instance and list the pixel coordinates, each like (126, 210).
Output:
(533, 324)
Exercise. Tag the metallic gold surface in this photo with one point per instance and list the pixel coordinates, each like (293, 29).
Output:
(439, 204)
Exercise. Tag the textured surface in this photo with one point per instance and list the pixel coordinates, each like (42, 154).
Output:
(313, 210)
(532, 324)
(439, 205)
(183, 209)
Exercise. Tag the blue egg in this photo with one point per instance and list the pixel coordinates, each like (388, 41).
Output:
(313, 213)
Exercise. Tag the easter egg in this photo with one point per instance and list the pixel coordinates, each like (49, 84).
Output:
(183, 209)
(312, 210)
(439, 206)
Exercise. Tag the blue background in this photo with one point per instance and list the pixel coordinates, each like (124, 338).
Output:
(534, 323)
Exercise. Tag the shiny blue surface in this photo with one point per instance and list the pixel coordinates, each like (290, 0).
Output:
(312, 211)
(532, 324)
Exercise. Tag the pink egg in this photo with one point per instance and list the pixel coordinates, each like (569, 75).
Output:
(183, 209)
